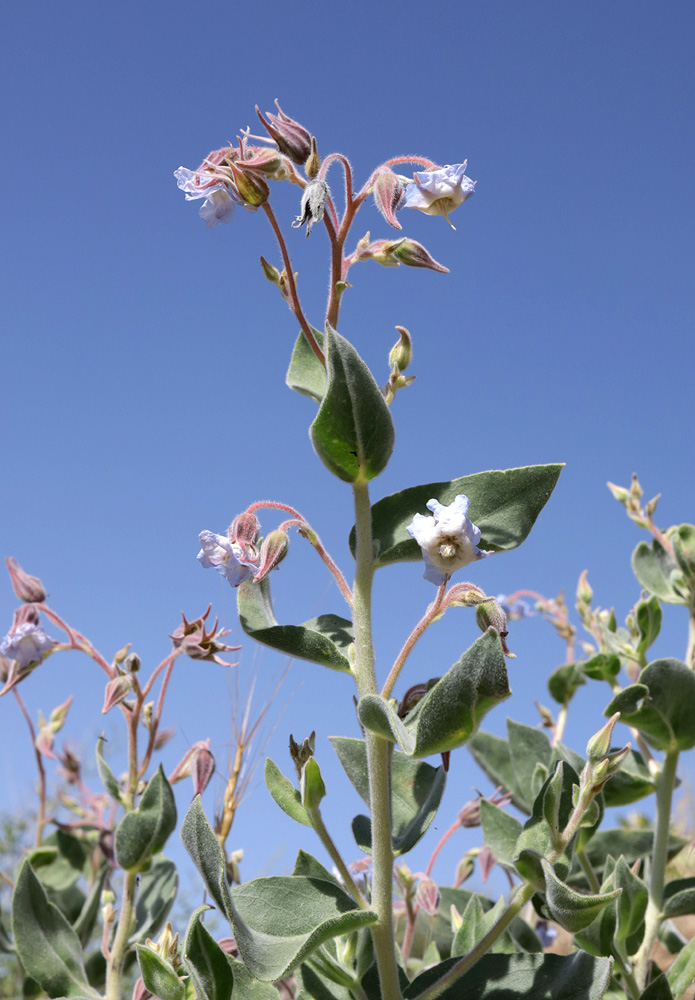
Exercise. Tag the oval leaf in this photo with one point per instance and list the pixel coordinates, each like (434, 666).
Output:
(306, 375)
(452, 709)
(159, 976)
(659, 573)
(48, 947)
(142, 833)
(207, 964)
(278, 921)
(285, 794)
(571, 909)
(156, 894)
(204, 848)
(504, 505)
(322, 640)
(660, 705)
(353, 431)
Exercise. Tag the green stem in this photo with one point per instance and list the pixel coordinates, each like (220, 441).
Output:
(659, 859)
(524, 893)
(594, 883)
(119, 949)
(378, 753)
(327, 841)
(690, 654)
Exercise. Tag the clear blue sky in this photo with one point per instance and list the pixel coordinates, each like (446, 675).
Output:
(144, 356)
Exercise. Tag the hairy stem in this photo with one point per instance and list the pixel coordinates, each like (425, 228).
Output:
(41, 818)
(119, 950)
(419, 630)
(327, 841)
(378, 753)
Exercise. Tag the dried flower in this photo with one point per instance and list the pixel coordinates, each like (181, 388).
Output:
(313, 204)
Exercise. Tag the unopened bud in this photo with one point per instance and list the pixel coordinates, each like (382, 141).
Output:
(469, 815)
(599, 745)
(427, 896)
(313, 163)
(271, 272)
(650, 506)
(244, 528)
(120, 656)
(292, 139)
(489, 614)
(388, 191)
(131, 664)
(27, 588)
(301, 752)
(117, 690)
(233, 873)
(455, 918)
(636, 491)
(273, 551)
(401, 354)
(619, 492)
(413, 254)
(203, 770)
(252, 187)
(410, 699)
(59, 714)
(584, 591)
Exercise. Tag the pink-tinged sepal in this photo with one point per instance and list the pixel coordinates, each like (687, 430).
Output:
(273, 551)
(388, 192)
(27, 588)
(117, 690)
(292, 139)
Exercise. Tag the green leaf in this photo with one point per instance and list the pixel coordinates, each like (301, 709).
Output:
(632, 782)
(679, 897)
(632, 905)
(570, 909)
(204, 848)
(306, 375)
(564, 682)
(156, 894)
(504, 505)
(472, 928)
(322, 640)
(285, 794)
(319, 986)
(84, 925)
(452, 709)
(682, 973)
(48, 947)
(312, 788)
(207, 964)
(416, 791)
(491, 754)
(526, 977)
(660, 705)
(248, 988)
(353, 431)
(159, 976)
(108, 779)
(602, 667)
(60, 860)
(683, 541)
(658, 572)
(658, 989)
(279, 921)
(528, 747)
(648, 618)
(144, 832)
(500, 831)
(306, 864)
(633, 844)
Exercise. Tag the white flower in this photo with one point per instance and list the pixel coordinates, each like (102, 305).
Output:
(27, 644)
(448, 540)
(226, 557)
(438, 192)
(220, 198)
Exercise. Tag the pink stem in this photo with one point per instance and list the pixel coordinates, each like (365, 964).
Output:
(419, 630)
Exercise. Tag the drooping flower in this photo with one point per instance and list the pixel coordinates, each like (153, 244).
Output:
(439, 192)
(26, 645)
(449, 540)
(313, 203)
(220, 198)
(227, 557)
(514, 609)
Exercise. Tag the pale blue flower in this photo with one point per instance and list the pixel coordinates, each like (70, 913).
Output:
(227, 557)
(515, 610)
(449, 540)
(28, 644)
(438, 192)
(220, 198)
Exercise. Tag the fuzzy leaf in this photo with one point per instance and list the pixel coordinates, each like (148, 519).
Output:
(570, 909)
(472, 928)
(306, 375)
(207, 964)
(279, 921)
(504, 505)
(159, 976)
(416, 791)
(679, 897)
(681, 975)
(285, 794)
(448, 715)
(659, 573)
(48, 947)
(204, 848)
(492, 755)
(660, 705)
(142, 833)
(352, 432)
(322, 640)
(156, 894)
(500, 830)
(108, 779)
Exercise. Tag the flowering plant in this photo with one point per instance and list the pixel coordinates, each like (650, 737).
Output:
(371, 930)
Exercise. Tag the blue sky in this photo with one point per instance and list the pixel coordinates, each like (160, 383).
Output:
(144, 356)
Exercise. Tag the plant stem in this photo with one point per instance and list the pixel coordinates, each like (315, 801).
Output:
(41, 818)
(327, 841)
(120, 943)
(594, 883)
(378, 753)
(659, 859)
(419, 630)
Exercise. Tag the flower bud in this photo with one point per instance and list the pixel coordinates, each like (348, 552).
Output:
(388, 191)
(636, 491)
(58, 715)
(120, 656)
(271, 272)
(203, 770)
(401, 354)
(313, 163)
(599, 745)
(292, 139)
(301, 752)
(117, 690)
(619, 493)
(131, 664)
(650, 506)
(265, 161)
(584, 591)
(427, 896)
(252, 186)
(27, 588)
(244, 528)
(413, 254)
(455, 918)
(487, 861)
(273, 551)
(489, 614)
